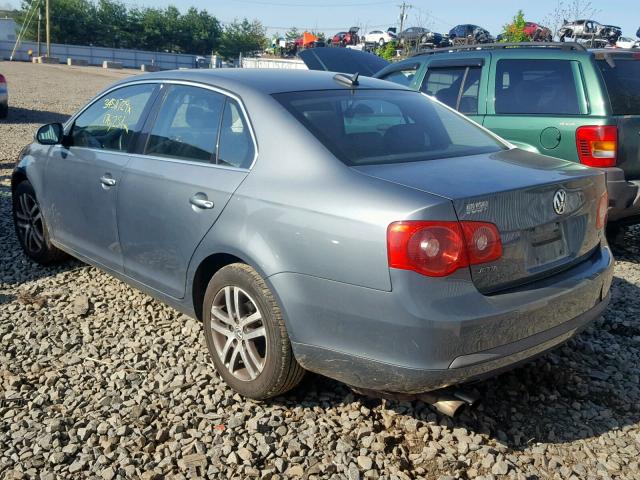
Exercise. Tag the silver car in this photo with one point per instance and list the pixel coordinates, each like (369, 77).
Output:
(313, 221)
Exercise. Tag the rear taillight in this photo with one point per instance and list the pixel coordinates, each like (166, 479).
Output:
(2, 79)
(597, 145)
(603, 209)
(438, 249)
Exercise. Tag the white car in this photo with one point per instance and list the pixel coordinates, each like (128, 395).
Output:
(627, 42)
(379, 37)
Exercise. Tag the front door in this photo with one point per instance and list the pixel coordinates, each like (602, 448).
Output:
(199, 150)
(83, 175)
(538, 104)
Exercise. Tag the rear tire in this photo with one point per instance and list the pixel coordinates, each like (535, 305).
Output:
(4, 111)
(246, 334)
(31, 228)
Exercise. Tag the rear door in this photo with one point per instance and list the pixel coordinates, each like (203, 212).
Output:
(198, 150)
(460, 83)
(621, 74)
(537, 102)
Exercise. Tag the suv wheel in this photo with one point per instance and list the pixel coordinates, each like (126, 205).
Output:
(4, 110)
(381, 42)
(30, 227)
(246, 334)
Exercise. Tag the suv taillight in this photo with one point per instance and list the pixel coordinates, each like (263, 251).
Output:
(2, 79)
(597, 145)
(438, 249)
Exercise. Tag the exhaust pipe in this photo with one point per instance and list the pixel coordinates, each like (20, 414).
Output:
(448, 402)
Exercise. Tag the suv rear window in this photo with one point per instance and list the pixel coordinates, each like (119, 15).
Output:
(536, 87)
(386, 126)
(623, 84)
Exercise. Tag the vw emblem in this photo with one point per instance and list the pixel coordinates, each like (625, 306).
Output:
(560, 202)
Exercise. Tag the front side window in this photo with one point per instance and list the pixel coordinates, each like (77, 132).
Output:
(187, 124)
(366, 127)
(112, 122)
(236, 144)
(457, 87)
(536, 87)
(402, 77)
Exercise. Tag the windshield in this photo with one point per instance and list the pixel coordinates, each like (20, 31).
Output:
(363, 127)
(623, 83)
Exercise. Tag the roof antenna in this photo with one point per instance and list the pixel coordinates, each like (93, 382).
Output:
(351, 81)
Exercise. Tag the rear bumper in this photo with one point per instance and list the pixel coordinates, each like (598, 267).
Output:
(624, 197)
(432, 333)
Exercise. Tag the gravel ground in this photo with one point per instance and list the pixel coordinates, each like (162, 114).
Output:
(98, 380)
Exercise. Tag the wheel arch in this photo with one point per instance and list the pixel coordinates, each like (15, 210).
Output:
(18, 176)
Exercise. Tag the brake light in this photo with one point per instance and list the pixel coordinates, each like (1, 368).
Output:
(603, 210)
(438, 249)
(2, 79)
(597, 145)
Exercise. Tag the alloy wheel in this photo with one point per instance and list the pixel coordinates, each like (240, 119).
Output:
(29, 223)
(239, 333)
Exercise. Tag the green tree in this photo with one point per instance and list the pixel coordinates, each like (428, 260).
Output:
(291, 34)
(514, 31)
(388, 51)
(243, 37)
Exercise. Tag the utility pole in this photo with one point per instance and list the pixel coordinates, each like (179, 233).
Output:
(39, 22)
(48, 27)
(403, 15)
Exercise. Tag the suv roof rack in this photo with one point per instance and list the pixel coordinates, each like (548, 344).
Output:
(496, 46)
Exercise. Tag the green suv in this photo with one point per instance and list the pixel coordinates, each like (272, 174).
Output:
(557, 99)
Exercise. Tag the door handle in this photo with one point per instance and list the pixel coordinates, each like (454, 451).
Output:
(107, 181)
(201, 202)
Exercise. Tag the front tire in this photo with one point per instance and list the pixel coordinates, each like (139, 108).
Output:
(381, 42)
(31, 228)
(246, 334)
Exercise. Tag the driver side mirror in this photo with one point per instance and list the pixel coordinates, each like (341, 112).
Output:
(50, 134)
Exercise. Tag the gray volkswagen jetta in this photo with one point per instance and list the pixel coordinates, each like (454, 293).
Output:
(313, 221)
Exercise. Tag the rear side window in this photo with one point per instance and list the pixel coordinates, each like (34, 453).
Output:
(364, 127)
(622, 79)
(536, 87)
(187, 124)
(113, 121)
(236, 144)
(457, 87)
(402, 77)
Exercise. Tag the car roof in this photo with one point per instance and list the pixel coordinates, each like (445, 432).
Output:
(262, 81)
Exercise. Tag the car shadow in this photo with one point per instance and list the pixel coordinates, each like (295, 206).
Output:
(627, 247)
(591, 380)
(19, 115)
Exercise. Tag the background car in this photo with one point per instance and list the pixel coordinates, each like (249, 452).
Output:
(4, 97)
(177, 183)
(420, 36)
(379, 37)
(346, 38)
(469, 33)
(591, 31)
(627, 42)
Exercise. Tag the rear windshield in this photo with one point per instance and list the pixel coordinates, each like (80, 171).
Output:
(623, 84)
(363, 127)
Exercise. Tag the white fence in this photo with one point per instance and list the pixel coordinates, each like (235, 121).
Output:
(290, 64)
(96, 55)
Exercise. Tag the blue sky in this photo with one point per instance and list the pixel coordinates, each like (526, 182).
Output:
(330, 16)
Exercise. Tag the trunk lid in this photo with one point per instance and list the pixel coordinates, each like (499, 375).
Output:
(621, 74)
(342, 60)
(515, 190)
